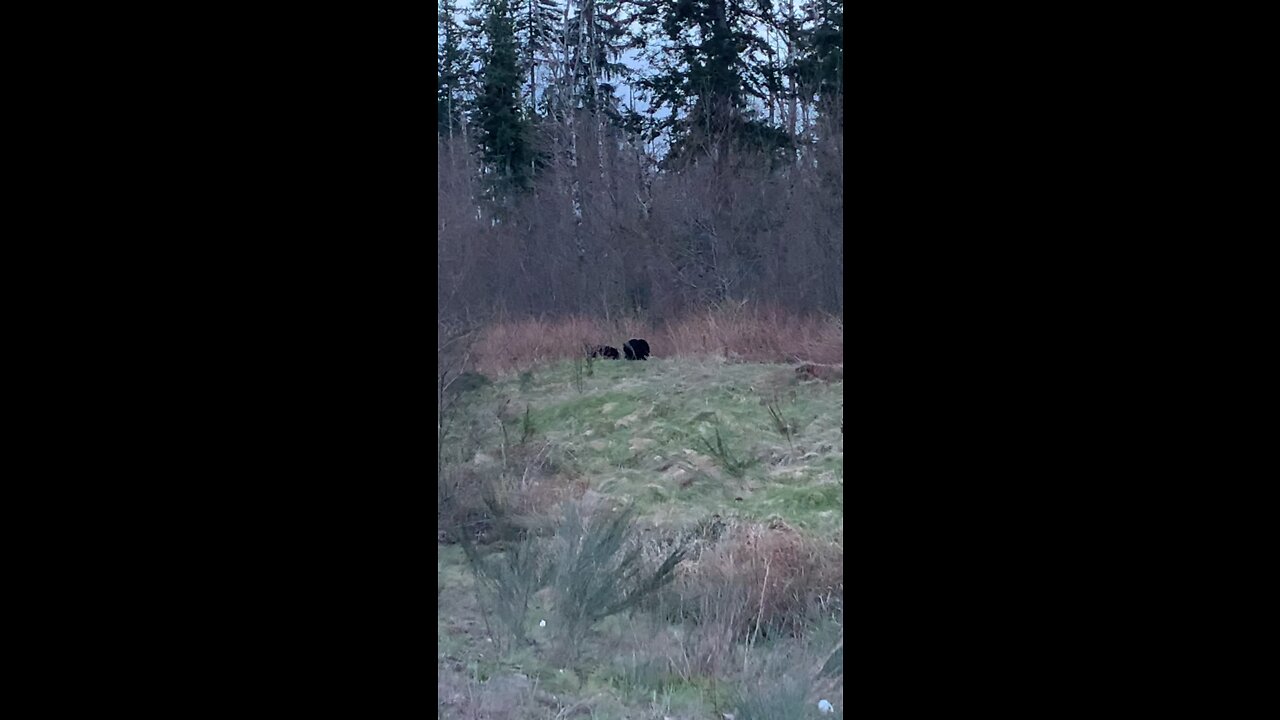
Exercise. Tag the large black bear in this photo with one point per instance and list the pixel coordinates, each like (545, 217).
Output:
(636, 349)
(605, 351)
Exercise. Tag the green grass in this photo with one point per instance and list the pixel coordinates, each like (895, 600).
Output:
(640, 425)
(643, 434)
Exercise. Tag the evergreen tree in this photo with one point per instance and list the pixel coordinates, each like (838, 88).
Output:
(504, 135)
(453, 70)
(596, 36)
(826, 54)
(707, 70)
(816, 67)
(536, 26)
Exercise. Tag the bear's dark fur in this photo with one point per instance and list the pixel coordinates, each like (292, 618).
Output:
(636, 349)
(605, 351)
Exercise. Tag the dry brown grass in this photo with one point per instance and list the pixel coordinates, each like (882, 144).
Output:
(773, 575)
(742, 333)
(820, 372)
(789, 578)
(754, 580)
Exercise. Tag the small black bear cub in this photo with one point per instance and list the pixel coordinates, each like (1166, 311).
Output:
(636, 349)
(605, 351)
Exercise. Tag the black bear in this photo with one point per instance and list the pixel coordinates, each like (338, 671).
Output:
(636, 349)
(605, 351)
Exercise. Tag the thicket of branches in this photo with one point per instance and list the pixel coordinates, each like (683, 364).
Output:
(555, 198)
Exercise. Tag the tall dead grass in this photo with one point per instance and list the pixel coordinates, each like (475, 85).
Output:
(784, 579)
(743, 333)
(753, 580)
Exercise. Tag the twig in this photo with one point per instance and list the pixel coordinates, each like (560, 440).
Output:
(780, 424)
(759, 615)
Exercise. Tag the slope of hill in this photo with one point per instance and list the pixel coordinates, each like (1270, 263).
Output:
(741, 466)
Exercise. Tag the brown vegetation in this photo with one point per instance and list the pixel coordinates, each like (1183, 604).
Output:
(814, 371)
(746, 334)
(784, 580)
(609, 236)
(745, 581)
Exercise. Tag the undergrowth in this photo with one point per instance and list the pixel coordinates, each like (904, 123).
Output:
(745, 333)
(656, 538)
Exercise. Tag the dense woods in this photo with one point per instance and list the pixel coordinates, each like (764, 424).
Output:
(639, 157)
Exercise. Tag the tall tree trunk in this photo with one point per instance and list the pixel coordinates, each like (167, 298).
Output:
(795, 91)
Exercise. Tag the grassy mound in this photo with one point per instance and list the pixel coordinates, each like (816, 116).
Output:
(738, 467)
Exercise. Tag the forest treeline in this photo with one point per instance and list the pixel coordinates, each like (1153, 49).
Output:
(556, 197)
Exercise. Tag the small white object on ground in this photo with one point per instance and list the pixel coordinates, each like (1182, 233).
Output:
(825, 706)
(542, 623)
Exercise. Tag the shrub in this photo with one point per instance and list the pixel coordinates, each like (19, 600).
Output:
(598, 572)
(506, 583)
(594, 569)
(782, 425)
(721, 452)
(757, 580)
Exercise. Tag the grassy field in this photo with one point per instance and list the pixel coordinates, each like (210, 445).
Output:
(659, 539)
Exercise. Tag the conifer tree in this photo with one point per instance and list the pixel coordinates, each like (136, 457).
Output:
(537, 28)
(453, 70)
(503, 131)
(707, 71)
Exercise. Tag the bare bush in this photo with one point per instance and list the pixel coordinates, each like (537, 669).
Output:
(760, 580)
(603, 234)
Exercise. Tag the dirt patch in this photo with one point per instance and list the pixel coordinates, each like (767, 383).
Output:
(703, 464)
(813, 371)
(680, 474)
